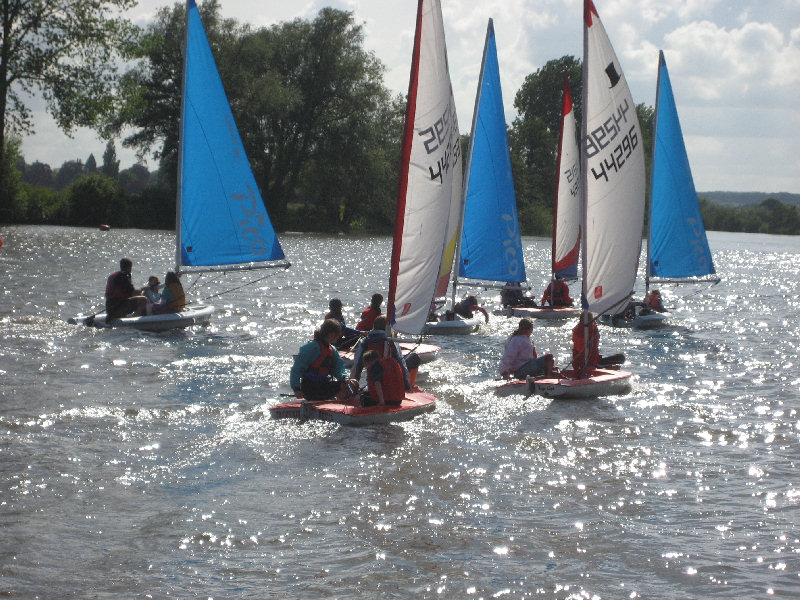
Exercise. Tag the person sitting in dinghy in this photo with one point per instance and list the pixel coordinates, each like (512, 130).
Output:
(173, 298)
(122, 298)
(556, 295)
(465, 308)
(520, 359)
(512, 295)
(151, 292)
(385, 379)
(349, 336)
(653, 301)
(318, 371)
(369, 314)
(376, 340)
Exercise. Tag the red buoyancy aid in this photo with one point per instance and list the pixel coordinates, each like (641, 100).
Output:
(368, 316)
(114, 291)
(578, 347)
(391, 380)
(323, 364)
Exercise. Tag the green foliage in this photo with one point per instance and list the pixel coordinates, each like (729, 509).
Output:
(110, 164)
(95, 199)
(11, 204)
(771, 216)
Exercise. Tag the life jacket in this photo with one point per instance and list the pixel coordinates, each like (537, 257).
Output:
(368, 316)
(558, 294)
(113, 290)
(653, 302)
(178, 303)
(391, 379)
(578, 347)
(323, 364)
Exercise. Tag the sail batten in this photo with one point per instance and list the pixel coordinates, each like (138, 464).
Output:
(429, 190)
(491, 246)
(222, 219)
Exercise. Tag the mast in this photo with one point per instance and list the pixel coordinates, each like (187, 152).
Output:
(652, 168)
(587, 6)
(181, 125)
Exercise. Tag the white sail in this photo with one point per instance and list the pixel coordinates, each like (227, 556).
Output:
(613, 174)
(567, 214)
(429, 191)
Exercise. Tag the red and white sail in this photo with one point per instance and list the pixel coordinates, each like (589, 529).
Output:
(429, 190)
(568, 207)
(612, 174)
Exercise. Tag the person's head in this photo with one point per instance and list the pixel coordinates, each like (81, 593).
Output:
(380, 322)
(376, 301)
(370, 356)
(171, 278)
(525, 327)
(329, 331)
(126, 264)
(656, 293)
(335, 305)
(152, 281)
(472, 300)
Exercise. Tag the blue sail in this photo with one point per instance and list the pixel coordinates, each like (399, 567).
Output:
(491, 248)
(222, 219)
(678, 246)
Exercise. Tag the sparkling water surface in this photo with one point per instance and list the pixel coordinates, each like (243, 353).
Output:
(142, 465)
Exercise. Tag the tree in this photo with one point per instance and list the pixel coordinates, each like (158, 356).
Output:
(91, 165)
(39, 173)
(110, 164)
(65, 50)
(95, 199)
(12, 205)
(70, 171)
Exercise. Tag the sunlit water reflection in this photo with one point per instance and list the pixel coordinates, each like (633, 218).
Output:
(135, 463)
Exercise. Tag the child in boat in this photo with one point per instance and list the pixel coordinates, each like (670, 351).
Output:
(376, 340)
(556, 295)
(520, 359)
(466, 308)
(384, 379)
(173, 298)
(512, 295)
(653, 301)
(349, 336)
(580, 347)
(369, 314)
(122, 298)
(318, 371)
(152, 293)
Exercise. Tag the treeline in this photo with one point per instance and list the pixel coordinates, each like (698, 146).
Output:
(320, 128)
(771, 216)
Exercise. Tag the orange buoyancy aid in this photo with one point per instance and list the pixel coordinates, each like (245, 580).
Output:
(114, 291)
(323, 364)
(578, 347)
(390, 375)
(178, 302)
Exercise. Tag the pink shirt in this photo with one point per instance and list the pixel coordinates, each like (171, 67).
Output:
(519, 350)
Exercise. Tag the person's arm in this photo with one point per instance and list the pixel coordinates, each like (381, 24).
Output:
(379, 392)
(483, 310)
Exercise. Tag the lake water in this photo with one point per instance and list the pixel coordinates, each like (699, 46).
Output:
(136, 465)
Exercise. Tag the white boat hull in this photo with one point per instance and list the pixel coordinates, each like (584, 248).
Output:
(650, 320)
(426, 352)
(547, 313)
(457, 326)
(510, 388)
(191, 315)
(601, 382)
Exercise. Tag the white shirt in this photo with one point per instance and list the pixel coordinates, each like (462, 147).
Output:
(519, 350)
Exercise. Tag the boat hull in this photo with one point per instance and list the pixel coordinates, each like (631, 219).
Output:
(351, 413)
(601, 382)
(547, 313)
(192, 315)
(457, 326)
(426, 352)
(510, 388)
(651, 320)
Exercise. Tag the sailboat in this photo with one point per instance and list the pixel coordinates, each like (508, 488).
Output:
(613, 194)
(423, 242)
(677, 245)
(221, 222)
(566, 213)
(489, 246)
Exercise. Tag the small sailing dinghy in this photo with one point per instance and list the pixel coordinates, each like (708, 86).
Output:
(426, 352)
(429, 183)
(613, 192)
(566, 213)
(677, 245)
(222, 224)
(490, 247)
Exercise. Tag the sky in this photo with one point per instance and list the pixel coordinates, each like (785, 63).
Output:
(734, 67)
